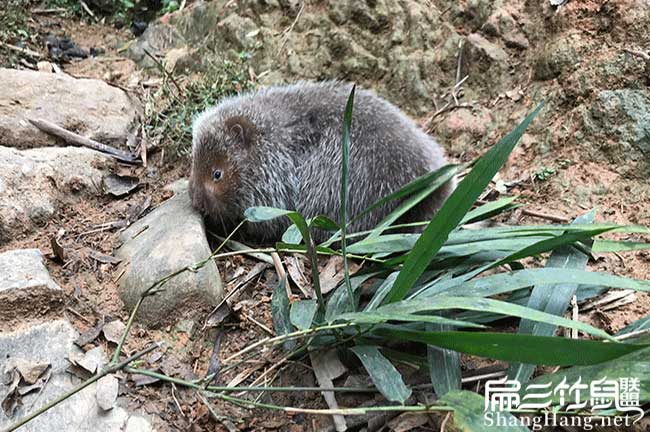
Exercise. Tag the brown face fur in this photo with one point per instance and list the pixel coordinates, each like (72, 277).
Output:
(215, 180)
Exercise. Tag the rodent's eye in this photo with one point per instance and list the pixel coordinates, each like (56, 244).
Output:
(217, 175)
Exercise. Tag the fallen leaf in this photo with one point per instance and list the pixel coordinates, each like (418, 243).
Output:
(407, 422)
(119, 186)
(114, 330)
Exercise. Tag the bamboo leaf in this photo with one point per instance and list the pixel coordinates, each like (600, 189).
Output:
(415, 306)
(454, 209)
(302, 313)
(444, 364)
(542, 350)
(511, 281)
(384, 376)
(488, 210)
(551, 298)
(280, 312)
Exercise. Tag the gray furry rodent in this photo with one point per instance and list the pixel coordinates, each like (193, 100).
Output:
(281, 147)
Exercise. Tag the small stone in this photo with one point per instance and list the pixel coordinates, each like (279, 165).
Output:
(26, 288)
(166, 240)
(88, 107)
(107, 387)
(486, 48)
(114, 330)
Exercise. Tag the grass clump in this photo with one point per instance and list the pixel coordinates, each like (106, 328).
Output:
(15, 30)
(170, 110)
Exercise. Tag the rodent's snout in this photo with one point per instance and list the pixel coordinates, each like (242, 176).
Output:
(198, 202)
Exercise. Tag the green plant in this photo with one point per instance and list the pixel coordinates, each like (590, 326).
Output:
(544, 173)
(436, 289)
(170, 111)
(15, 31)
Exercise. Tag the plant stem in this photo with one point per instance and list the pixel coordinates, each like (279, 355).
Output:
(289, 336)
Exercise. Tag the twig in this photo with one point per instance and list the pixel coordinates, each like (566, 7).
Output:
(633, 334)
(109, 370)
(48, 11)
(25, 51)
(645, 56)
(289, 336)
(87, 9)
(165, 72)
(74, 138)
(554, 218)
(287, 32)
(259, 324)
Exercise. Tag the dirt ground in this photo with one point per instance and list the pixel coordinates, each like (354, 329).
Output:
(576, 186)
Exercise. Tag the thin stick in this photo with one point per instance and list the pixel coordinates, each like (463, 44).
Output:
(289, 336)
(73, 138)
(25, 51)
(554, 218)
(110, 369)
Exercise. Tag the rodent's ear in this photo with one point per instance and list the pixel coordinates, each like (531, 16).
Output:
(241, 128)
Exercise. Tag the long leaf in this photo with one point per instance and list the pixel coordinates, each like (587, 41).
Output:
(345, 144)
(383, 374)
(510, 347)
(551, 298)
(515, 280)
(489, 209)
(445, 174)
(302, 313)
(454, 209)
(444, 364)
(280, 312)
(410, 307)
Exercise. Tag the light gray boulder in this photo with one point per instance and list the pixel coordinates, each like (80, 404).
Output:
(88, 107)
(168, 239)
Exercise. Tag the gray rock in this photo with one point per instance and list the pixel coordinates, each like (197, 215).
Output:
(35, 183)
(26, 288)
(166, 240)
(625, 113)
(52, 343)
(88, 107)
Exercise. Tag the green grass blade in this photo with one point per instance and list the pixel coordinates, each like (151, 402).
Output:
(454, 210)
(445, 174)
(438, 303)
(384, 376)
(488, 210)
(415, 186)
(345, 144)
(638, 325)
(511, 281)
(608, 246)
(469, 411)
(444, 364)
(543, 350)
(551, 298)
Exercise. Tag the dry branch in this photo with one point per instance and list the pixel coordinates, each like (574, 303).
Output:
(73, 138)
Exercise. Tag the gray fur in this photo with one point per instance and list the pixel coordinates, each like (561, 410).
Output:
(293, 160)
